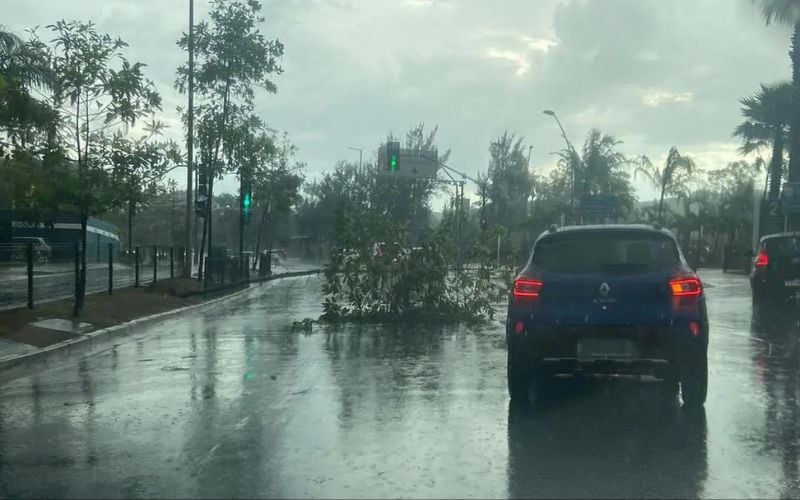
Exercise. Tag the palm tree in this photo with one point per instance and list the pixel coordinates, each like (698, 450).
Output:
(599, 169)
(787, 12)
(24, 62)
(672, 179)
(23, 66)
(767, 117)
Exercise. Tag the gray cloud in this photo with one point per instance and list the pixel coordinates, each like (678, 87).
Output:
(653, 73)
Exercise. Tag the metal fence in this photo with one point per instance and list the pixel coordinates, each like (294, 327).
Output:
(32, 273)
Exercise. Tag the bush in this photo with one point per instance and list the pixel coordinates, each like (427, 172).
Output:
(404, 283)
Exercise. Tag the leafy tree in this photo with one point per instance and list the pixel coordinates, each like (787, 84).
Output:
(402, 285)
(767, 114)
(735, 184)
(673, 178)
(787, 12)
(407, 200)
(96, 91)
(508, 189)
(346, 188)
(403, 200)
(232, 58)
(276, 183)
(509, 180)
(138, 166)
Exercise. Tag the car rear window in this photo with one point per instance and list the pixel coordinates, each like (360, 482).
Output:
(783, 247)
(626, 252)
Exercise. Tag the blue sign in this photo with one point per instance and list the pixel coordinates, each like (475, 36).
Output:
(602, 205)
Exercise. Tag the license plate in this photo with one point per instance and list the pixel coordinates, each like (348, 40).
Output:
(606, 348)
(792, 283)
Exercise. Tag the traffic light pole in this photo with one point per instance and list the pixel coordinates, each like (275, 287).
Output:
(241, 226)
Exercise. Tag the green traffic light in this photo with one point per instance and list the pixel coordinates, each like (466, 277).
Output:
(393, 163)
(246, 200)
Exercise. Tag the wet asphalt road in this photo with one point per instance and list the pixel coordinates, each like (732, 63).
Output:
(231, 403)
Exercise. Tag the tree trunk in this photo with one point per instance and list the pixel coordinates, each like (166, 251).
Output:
(131, 209)
(661, 202)
(766, 184)
(82, 274)
(260, 231)
(207, 226)
(208, 215)
(201, 252)
(776, 167)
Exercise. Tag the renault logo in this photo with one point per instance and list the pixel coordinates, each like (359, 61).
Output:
(604, 289)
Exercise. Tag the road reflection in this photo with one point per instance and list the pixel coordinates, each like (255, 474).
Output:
(775, 325)
(606, 439)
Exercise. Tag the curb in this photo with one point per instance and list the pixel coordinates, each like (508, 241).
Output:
(95, 339)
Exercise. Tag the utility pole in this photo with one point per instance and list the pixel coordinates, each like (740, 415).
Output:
(360, 155)
(189, 238)
(459, 209)
(571, 149)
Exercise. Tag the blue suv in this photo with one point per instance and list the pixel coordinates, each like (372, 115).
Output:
(607, 301)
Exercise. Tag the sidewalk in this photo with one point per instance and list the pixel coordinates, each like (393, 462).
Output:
(26, 332)
(23, 330)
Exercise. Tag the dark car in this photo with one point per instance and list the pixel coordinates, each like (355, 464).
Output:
(775, 273)
(41, 250)
(607, 300)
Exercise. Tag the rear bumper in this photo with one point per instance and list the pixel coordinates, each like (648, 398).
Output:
(654, 351)
(771, 287)
(659, 368)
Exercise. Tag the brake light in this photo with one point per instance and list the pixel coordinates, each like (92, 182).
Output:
(761, 259)
(526, 289)
(687, 286)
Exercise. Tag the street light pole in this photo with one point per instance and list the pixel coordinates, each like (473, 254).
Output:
(189, 239)
(569, 148)
(360, 155)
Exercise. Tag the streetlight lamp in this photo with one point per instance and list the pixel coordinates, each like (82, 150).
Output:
(360, 155)
(571, 149)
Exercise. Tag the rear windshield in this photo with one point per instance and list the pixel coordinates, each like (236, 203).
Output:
(783, 247)
(626, 252)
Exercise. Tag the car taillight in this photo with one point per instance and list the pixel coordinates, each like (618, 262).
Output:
(761, 259)
(686, 286)
(526, 289)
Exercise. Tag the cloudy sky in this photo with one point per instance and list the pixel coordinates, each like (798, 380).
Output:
(654, 73)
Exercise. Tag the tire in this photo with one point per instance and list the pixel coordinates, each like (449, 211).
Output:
(694, 381)
(519, 381)
(670, 386)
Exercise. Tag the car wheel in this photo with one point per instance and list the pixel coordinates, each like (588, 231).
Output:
(519, 381)
(670, 386)
(694, 381)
